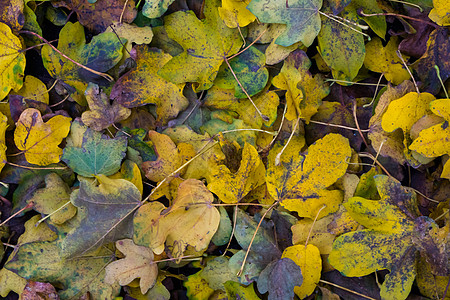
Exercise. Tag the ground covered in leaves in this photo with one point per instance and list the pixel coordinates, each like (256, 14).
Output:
(224, 149)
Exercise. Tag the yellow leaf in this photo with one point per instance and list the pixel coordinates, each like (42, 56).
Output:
(197, 287)
(130, 171)
(138, 263)
(3, 126)
(300, 183)
(191, 220)
(405, 111)
(435, 141)
(168, 157)
(232, 187)
(430, 285)
(206, 164)
(319, 233)
(235, 13)
(40, 140)
(12, 61)
(33, 89)
(309, 260)
(304, 93)
(385, 60)
(441, 12)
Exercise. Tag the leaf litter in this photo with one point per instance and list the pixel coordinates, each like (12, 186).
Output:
(224, 149)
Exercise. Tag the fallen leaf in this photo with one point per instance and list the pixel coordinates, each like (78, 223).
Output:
(33, 89)
(341, 47)
(435, 140)
(41, 262)
(107, 209)
(205, 42)
(300, 182)
(39, 290)
(38, 140)
(197, 287)
(12, 14)
(310, 263)
(3, 126)
(101, 54)
(130, 92)
(101, 113)
(155, 8)
(279, 278)
(249, 68)
(98, 15)
(385, 60)
(191, 220)
(54, 199)
(235, 13)
(439, 13)
(12, 61)
(304, 92)
(236, 291)
(232, 187)
(97, 154)
(138, 263)
(301, 17)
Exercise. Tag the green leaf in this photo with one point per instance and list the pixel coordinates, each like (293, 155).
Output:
(341, 47)
(108, 211)
(301, 17)
(98, 154)
(249, 68)
(155, 8)
(42, 262)
(101, 54)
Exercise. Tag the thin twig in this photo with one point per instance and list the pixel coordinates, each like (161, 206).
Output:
(253, 238)
(357, 124)
(407, 69)
(251, 44)
(346, 289)
(339, 126)
(264, 117)
(29, 205)
(34, 168)
(312, 226)
(361, 13)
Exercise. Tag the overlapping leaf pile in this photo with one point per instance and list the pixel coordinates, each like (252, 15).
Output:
(234, 149)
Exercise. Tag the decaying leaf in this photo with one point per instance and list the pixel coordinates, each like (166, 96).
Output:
(138, 263)
(300, 182)
(191, 220)
(38, 140)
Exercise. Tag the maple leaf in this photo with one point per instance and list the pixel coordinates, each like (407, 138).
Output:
(130, 92)
(395, 230)
(191, 220)
(53, 199)
(300, 182)
(38, 140)
(439, 13)
(3, 126)
(206, 44)
(107, 214)
(101, 54)
(304, 92)
(435, 140)
(12, 61)
(301, 17)
(232, 187)
(385, 60)
(12, 14)
(41, 261)
(102, 114)
(138, 263)
(97, 154)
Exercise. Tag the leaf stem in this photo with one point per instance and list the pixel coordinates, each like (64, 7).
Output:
(251, 44)
(346, 289)
(440, 80)
(29, 205)
(361, 13)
